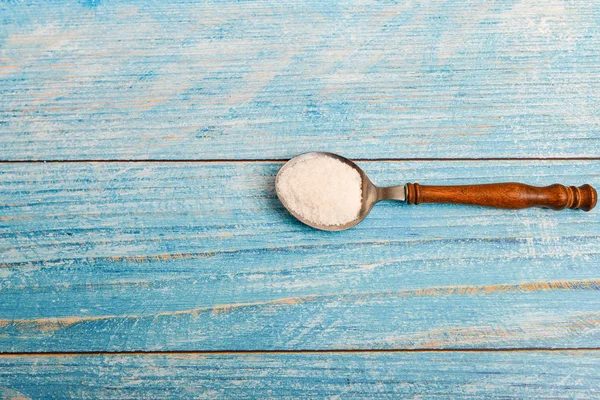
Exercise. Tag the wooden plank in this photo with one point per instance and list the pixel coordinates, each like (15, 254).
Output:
(271, 79)
(190, 256)
(536, 375)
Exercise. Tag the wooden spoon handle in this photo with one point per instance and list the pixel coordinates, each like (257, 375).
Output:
(505, 195)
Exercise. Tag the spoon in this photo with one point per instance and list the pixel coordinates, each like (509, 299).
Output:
(508, 195)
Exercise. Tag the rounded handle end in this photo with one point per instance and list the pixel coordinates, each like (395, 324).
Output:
(583, 197)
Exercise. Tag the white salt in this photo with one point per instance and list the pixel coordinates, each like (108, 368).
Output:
(322, 190)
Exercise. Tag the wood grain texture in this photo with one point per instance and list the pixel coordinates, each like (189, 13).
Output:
(201, 256)
(271, 79)
(535, 375)
(508, 195)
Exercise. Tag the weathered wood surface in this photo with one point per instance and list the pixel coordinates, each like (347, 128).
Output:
(271, 79)
(202, 256)
(535, 375)
(112, 257)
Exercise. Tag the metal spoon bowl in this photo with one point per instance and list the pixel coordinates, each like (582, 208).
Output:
(371, 194)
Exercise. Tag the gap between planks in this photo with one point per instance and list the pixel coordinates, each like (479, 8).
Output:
(281, 160)
(307, 351)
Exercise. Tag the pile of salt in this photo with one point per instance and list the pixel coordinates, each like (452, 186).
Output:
(322, 190)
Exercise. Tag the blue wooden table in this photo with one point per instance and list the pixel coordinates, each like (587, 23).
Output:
(144, 254)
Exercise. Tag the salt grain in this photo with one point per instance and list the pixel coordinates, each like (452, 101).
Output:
(322, 190)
